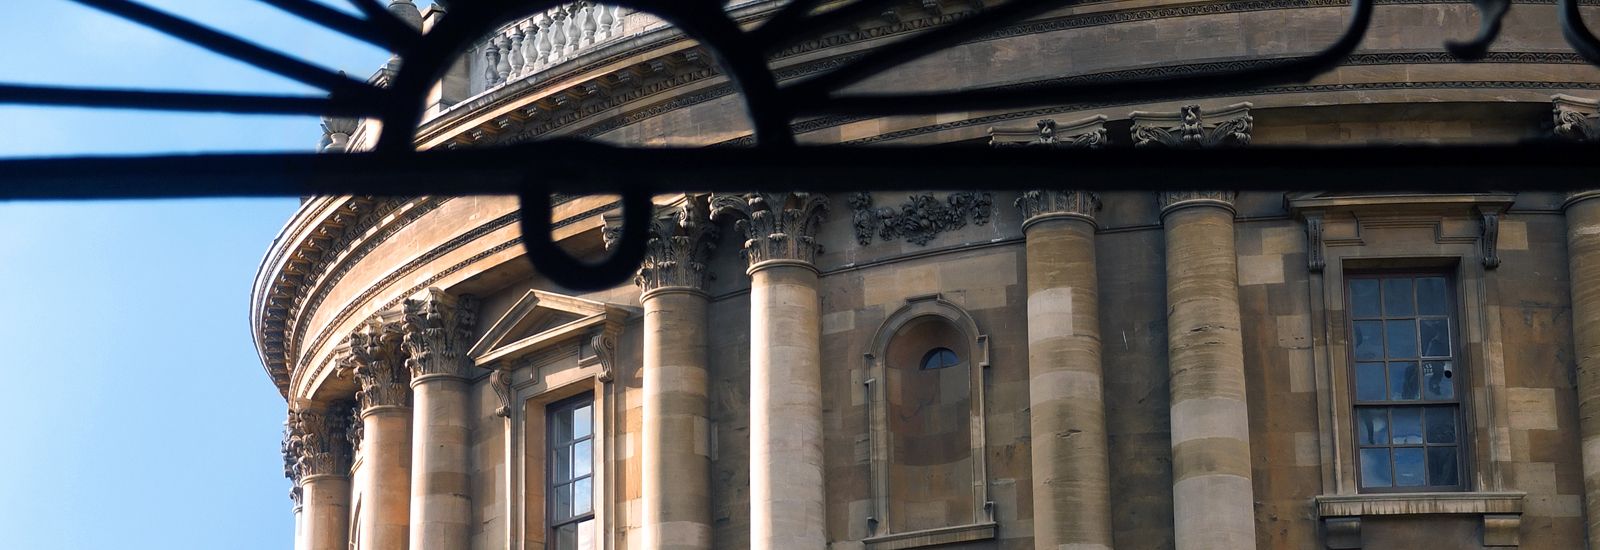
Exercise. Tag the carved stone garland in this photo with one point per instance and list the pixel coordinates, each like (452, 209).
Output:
(681, 240)
(379, 365)
(777, 226)
(921, 218)
(437, 329)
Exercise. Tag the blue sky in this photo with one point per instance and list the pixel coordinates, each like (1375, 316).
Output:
(136, 413)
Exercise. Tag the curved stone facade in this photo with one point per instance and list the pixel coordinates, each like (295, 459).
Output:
(1116, 382)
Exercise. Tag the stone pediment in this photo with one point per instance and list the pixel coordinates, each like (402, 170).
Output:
(540, 320)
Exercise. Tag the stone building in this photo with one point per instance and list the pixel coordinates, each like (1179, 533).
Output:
(1048, 369)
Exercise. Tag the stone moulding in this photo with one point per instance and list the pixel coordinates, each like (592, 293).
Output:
(1087, 132)
(1190, 128)
(921, 218)
(933, 537)
(1501, 513)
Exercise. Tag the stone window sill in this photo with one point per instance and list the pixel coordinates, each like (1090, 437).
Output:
(932, 537)
(1341, 515)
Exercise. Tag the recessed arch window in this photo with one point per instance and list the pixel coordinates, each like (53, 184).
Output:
(940, 358)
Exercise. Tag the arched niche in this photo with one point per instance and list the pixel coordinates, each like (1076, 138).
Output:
(925, 395)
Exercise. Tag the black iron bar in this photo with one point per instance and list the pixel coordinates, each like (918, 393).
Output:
(185, 101)
(382, 36)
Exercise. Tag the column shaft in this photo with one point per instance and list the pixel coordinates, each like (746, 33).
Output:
(1071, 477)
(1213, 504)
(386, 491)
(1583, 250)
(325, 520)
(677, 461)
(786, 491)
(441, 510)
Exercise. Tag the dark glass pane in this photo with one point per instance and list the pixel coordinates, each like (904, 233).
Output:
(582, 500)
(1405, 425)
(1404, 382)
(1435, 337)
(582, 458)
(1370, 382)
(561, 502)
(1436, 381)
(1397, 297)
(1408, 468)
(567, 537)
(1375, 468)
(586, 535)
(1372, 425)
(583, 421)
(1364, 298)
(1442, 466)
(1401, 338)
(1431, 297)
(561, 427)
(939, 358)
(561, 464)
(1368, 340)
(1441, 424)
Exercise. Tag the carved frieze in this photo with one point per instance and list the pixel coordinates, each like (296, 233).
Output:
(1576, 118)
(681, 240)
(437, 330)
(776, 226)
(378, 362)
(316, 442)
(1188, 128)
(1052, 202)
(1083, 133)
(921, 218)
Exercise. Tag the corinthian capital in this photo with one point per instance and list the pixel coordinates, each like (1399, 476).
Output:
(1042, 203)
(1173, 200)
(681, 240)
(379, 365)
(777, 226)
(315, 442)
(1227, 127)
(436, 330)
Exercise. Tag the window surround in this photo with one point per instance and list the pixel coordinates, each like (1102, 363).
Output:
(1375, 232)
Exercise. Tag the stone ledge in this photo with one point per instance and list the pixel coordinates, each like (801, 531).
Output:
(1398, 504)
(932, 537)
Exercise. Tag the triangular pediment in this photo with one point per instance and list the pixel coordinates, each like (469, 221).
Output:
(541, 319)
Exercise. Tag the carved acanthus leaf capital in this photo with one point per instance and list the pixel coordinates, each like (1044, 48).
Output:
(437, 330)
(379, 364)
(777, 226)
(1173, 200)
(315, 441)
(1053, 202)
(681, 240)
(1227, 127)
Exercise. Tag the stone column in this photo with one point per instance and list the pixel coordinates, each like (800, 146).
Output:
(437, 330)
(1212, 499)
(786, 463)
(385, 401)
(1071, 475)
(677, 448)
(316, 442)
(1583, 255)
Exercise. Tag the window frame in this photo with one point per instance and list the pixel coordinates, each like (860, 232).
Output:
(552, 521)
(1461, 379)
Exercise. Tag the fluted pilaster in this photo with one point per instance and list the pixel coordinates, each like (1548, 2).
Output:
(786, 463)
(437, 328)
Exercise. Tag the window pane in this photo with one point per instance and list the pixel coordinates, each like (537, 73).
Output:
(1368, 340)
(1397, 297)
(1404, 382)
(583, 421)
(1441, 424)
(1405, 425)
(561, 502)
(1431, 298)
(1401, 338)
(1408, 468)
(1372, 425)
(586, 535)
(1435, 383)
(1369, 382)
(582, 459)
(561, 464)
(1435, 337)
(1364, 298)
(582, 501)
(567, 537)
(561, 427)
(1442, 466)
(1375, 468)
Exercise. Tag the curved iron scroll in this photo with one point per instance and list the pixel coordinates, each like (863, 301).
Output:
(771, 107)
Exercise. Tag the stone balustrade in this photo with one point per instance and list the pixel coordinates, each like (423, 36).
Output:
(530, 45)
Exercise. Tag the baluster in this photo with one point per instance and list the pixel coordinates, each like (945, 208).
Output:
(558, 35)
(504, 68)
(515, 53)
(585, 25)
(602, 31)
(491, 59)
(616, 20)
(530, 37)
(570, 30)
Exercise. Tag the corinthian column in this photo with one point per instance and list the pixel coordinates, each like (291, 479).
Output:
(436, 329)
(786, 495)
(316, 443)
(1583, 255)
(677, 456)
(385, 434)
(1071, 477)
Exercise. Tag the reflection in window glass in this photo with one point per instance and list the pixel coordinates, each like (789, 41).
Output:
(1364, 298)
(1408, 468)
(1372, 426)
(1437, 380)
(939, 358)
(1406, 425)
(1369, 381)
(1375, 468)
(571, 482)
(1431, 297)
(1404, 384)
(1397, 297)
(1400, 338)
(1367, 338)
(1435, 335)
